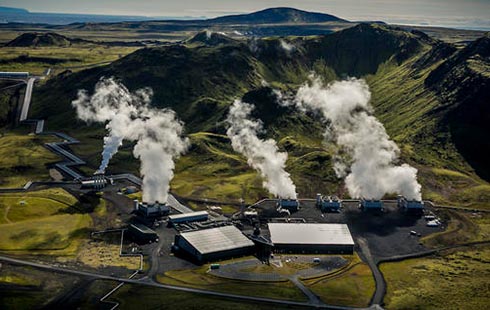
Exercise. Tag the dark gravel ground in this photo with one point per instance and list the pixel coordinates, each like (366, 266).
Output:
(387, 234)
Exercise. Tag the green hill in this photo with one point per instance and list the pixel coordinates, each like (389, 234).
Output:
(34, 39)
(419, 87)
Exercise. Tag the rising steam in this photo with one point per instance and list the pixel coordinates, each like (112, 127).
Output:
(263, 155)
(366, 156)
(129, 117)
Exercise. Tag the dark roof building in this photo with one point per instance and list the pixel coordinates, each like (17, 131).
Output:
(214, 244)
(141, 232)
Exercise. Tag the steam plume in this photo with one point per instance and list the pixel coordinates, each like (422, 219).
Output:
(367, 157)
(159, 143)
(129, 117)
(263, 155)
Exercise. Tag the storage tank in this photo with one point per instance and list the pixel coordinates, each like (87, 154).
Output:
(371, 205)
(292, 205)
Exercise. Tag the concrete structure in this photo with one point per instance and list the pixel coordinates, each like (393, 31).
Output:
(292, 205)
(214, 244)
(410, 206)
(188, 217)
(151, 212)
(311, 238)
(371, 205)
(142, 233)
(328, 204)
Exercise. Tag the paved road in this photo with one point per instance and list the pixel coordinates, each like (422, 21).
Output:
(380, 291)
(149, 282)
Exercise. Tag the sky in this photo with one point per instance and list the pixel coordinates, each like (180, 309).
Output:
(421, 12)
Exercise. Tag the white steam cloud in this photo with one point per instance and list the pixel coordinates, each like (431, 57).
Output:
(367, 157)
(287, 47)
(263, 155)
(129, 117)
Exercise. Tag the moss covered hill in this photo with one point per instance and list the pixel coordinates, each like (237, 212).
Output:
(34, 39)
(409, 74)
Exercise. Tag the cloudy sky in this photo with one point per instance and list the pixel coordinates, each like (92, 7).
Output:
(433, 12)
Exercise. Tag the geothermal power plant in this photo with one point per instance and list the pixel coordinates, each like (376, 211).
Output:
(325, 224)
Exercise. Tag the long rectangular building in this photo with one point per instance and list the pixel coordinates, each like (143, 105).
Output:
(189, 217)
(214, 244)
(315, 238)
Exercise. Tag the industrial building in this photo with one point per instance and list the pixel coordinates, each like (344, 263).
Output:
(313, 238)
(14, 75)
(151, 212)
(328, 204)
(410, 206)
(371, 205)
(141, 232)
(292, 205)
(213, 244)
(197, 216)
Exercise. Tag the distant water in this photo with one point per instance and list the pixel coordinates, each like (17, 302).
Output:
(65, 19)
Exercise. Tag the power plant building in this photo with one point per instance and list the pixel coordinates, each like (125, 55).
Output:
(214, 244)
(151, 211)
(311, 238)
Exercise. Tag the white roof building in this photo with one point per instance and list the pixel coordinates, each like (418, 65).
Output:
(311, 237)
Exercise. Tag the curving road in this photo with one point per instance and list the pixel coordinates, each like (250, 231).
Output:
(149, 282)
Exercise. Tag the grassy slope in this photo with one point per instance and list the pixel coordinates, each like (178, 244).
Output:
(38, 222)
(350, 286)
(23, 159)
(75, 57)
(457, 281)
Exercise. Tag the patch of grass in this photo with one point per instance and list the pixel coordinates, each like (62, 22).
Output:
(199, 278)
(16, 207)
(131, 296)
(350, 286)
(23, 159)
(57, 234)
(75, 58)
(455, 281)
(102, 254)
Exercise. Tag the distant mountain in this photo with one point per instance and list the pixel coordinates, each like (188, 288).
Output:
(276, 16)
(35, 39)
(4, 9)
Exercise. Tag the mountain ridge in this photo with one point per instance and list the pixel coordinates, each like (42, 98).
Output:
(200, 82)
(277, 15)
